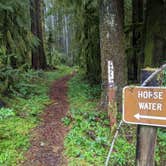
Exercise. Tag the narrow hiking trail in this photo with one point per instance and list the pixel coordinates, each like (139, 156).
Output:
(48, 138)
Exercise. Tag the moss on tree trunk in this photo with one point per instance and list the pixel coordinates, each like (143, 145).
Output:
(112, 45)
(155, 43)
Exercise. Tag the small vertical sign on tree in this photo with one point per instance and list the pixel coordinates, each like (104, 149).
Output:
(110, 74)
(112, 107)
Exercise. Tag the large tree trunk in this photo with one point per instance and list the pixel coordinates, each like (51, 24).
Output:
(155, 44)
(38, 55)
(66, 35)
(112, 45)
(92, 43)
(137, 40)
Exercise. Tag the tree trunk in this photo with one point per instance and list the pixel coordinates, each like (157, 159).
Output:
(38, 55)
(112, 46)
(91, 43)
(137, 40)
(155, 44)
(66, 36)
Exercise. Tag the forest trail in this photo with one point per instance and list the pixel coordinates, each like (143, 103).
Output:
(48, 138)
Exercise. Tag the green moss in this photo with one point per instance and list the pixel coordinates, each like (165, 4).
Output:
(149, 52)
(155, 33)
(149, 69)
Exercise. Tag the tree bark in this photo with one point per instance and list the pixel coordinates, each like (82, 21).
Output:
(112, 46)
(38, 55)
(137, 39)
(155, 43)
(146, 135)
(91, 43)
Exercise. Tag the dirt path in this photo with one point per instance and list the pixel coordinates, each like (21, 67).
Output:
(48, 138)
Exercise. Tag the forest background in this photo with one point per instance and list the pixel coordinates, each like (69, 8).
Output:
(38, 35)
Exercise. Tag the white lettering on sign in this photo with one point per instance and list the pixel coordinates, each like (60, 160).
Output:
(150, 95)
(150, 106)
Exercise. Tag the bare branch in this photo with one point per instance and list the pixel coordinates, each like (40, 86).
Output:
(153, 75)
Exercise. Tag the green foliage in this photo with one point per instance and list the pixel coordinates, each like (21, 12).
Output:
(164, 78)
(5, 113)
(128, 12)
(124, 149)
(16, 42)
(86, 141)
(160, 149)
(15, 127)
(58, 33)
(16, 38)
(83, 27)
(14, 139)
(14, 130)
(160, 155)
(56, 58)
(124, 153)
(22, 115)
(89, 138)
(87, 38)
(60, 72)
(18, 82)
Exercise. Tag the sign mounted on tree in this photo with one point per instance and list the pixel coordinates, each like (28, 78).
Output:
(110, 74)
(144, 105)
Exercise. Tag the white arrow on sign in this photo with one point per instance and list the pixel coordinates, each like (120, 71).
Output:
(138, 116)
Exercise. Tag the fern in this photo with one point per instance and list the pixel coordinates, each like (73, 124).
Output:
(15, 32)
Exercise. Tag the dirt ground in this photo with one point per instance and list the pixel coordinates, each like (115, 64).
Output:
(48, 138)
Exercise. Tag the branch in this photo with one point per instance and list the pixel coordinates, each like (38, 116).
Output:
(163, 67)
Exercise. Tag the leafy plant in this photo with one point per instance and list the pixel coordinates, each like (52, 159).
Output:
(18, 82)
(87, 138)
(6, 112)
(160, 155)
(66, 121)
(164, 78)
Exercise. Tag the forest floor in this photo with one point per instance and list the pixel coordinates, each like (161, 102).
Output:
(40, 129)
(47, 142)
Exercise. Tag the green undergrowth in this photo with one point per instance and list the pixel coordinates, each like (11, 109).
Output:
(160, 150)
(22, 114)
(88, 141)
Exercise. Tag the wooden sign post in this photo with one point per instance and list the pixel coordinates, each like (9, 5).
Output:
(146, 135)
(145, 106)
(148, 109)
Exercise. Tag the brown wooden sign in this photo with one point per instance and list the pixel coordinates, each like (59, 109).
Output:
(144, 105)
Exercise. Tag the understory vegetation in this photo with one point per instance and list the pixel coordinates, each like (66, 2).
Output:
(21, 113)
(110, 42)
(90, 136)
